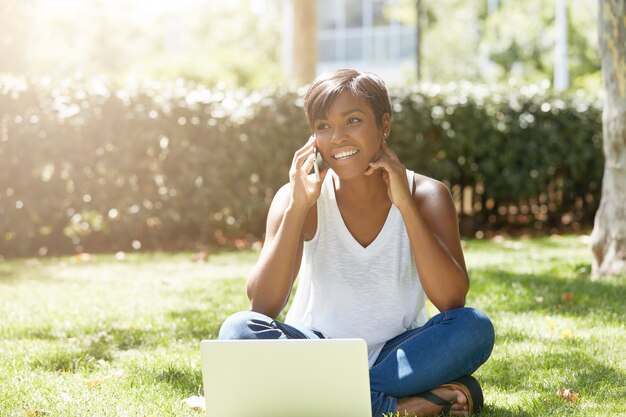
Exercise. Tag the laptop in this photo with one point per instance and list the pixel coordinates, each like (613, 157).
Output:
(286, 378)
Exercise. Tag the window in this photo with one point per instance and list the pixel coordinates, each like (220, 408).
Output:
(378, 13)
(354, 48)
(351, 31)
(326, 15)
(354, 13)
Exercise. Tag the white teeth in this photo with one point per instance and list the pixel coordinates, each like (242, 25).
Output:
(343, 155)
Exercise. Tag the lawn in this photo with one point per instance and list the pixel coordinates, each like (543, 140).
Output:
(102, 335)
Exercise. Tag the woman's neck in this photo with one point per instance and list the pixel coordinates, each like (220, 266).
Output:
(361, 191)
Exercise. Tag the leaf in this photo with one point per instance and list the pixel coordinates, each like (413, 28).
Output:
(567, 297)
(36, 412)
(82, 257)
(93, 383)
(195, 402)
(566, 394)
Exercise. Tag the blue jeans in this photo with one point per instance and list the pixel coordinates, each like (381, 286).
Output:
(449, 345)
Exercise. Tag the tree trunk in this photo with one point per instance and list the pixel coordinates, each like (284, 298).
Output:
(304, 55)
(608, 239)
(418, 40)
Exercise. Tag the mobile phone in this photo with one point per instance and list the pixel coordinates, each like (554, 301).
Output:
(317, 162)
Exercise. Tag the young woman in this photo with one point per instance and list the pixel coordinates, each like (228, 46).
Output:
(370, 241)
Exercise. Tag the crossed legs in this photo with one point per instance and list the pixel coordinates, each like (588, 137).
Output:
(448, 346)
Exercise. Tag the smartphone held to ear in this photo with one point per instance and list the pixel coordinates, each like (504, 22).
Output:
(318, 163)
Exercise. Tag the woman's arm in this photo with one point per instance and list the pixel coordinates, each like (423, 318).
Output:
(271, 279)
(432, 226)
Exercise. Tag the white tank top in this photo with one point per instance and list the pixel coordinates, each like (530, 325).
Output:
(348, 291)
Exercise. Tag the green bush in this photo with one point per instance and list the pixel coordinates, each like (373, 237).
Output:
(522, 157)
(89, 167)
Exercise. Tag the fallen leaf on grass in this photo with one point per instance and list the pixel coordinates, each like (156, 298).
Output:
(36, 413)
(567, 297)
(82, 257)
(195, 402)
(93, 383)
(566, 394)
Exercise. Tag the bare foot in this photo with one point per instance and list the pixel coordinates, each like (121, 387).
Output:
(420, 407)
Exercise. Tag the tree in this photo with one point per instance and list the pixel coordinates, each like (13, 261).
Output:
(303, 66)
(519, 38)
(418, 38)
(231, 43)
(609, 231)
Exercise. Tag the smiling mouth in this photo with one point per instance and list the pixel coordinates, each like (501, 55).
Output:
(345, 155)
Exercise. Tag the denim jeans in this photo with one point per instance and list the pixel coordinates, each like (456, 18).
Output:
(449, 345)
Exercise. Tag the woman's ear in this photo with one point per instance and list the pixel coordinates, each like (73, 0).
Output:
(386, 125)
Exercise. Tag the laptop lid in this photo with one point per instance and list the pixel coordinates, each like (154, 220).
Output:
(286, 378)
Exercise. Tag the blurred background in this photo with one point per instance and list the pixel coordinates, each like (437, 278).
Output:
(251, 42)
(134, 125)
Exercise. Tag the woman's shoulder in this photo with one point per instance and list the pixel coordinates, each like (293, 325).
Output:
(281, 202)
(427, 188)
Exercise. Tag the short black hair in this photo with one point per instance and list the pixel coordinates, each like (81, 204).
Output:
(362, 85)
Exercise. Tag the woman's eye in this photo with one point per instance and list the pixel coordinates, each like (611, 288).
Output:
(353, 120)
(322, 126)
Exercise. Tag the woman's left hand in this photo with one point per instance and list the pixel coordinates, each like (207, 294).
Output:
(394, 175)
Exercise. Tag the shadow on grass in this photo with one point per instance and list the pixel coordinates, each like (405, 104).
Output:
(135, 338)
(504, 291)
(120, 338)
(74, 360)
(578, 368)
(184, 381)
(491, 411)
(596, 382)
(220, 300)
(7, 276)
(198, 324)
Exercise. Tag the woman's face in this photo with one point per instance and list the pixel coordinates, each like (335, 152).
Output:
(349, 138)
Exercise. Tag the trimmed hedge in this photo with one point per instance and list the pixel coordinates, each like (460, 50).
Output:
(524, 157)
(87, 167)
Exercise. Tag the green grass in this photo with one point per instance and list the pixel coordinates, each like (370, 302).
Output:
(102, 337)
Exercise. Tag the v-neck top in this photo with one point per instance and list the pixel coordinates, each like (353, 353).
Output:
(346, 290)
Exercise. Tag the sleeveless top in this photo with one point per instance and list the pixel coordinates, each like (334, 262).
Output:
(346, 290)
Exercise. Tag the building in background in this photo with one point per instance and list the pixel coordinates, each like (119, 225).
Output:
(355, 34)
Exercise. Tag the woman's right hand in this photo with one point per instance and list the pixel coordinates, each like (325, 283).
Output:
(305, 189)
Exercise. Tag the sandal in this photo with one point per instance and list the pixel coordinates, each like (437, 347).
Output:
(468, 385)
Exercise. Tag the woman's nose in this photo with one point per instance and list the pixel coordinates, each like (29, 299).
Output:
(338, 135)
